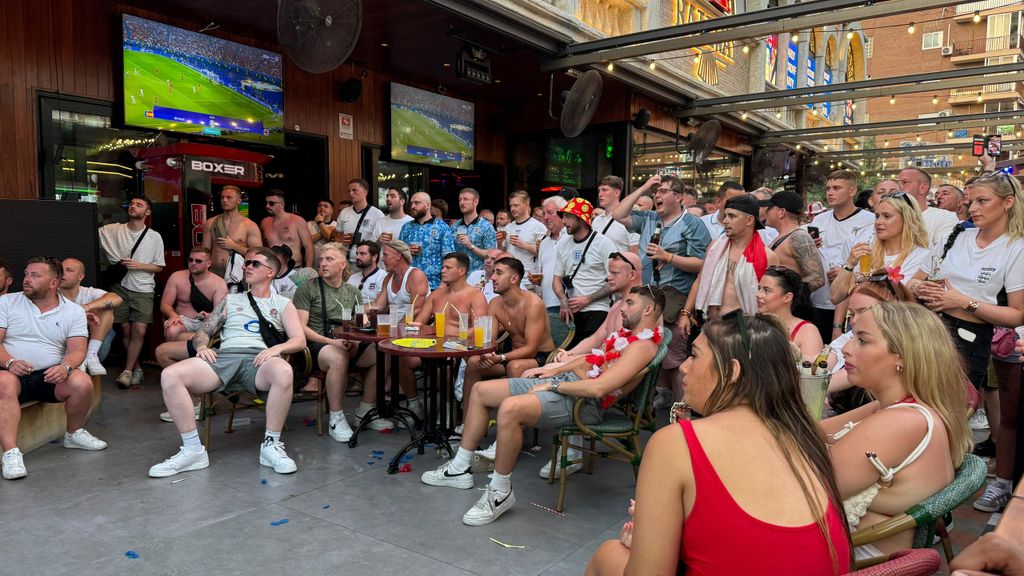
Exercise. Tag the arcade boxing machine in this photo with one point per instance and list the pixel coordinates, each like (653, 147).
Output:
(182, 180)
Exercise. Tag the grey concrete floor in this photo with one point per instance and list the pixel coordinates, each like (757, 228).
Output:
(99, 513)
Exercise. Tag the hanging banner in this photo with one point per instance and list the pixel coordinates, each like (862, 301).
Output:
(791, 52)
(771, 65)
(826, 80)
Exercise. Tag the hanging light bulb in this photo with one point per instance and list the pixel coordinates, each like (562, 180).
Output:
(815, 162)
(696, 58)
(743, 116)
(949, 134)
(746, 49)
(856, 146)
(826, 147)
(960, 157)
(1018, 133)
(611, 66)
(886, 144)
(798, 146)
(778, 113)
(979, 98)
(652, 65)
(977, 16)
(935, 99)
(892, 99)
(919, 138)
(910, 29)
(849, 35)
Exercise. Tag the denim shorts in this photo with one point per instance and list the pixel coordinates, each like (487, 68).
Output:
(556, 409)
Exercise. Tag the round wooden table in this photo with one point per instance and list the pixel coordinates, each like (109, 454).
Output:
(436, 428)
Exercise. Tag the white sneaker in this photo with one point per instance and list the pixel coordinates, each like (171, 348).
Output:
(137, 377)
(93, 365)
(339, 429)
(377, 424)
(14, 465)
(545, 472)
(490, 452)
(272, 454)
(488, 508)
(166, 416)
(124, 379)
(83, 440)
(183, 461)
(444, 475)
(979, 421)
(416, 406)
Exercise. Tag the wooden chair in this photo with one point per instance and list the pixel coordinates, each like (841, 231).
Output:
(619, 429)
(926, 518)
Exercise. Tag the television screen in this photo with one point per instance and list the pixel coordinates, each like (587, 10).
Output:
(430, 128)
(181, 81)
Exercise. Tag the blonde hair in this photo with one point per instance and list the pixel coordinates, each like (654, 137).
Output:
(932, 371)
(913, 235)
(1007, 186)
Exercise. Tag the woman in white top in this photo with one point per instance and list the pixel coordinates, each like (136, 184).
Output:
(901, 241)
(983, 271)
(904, 447)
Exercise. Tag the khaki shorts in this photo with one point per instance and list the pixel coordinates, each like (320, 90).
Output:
(137, 306)
(556, 409)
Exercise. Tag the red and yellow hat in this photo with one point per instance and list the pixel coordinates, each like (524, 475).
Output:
(581, 209)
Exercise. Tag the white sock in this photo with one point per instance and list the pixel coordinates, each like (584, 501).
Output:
(364, 407)
(463, 459)
(190, 440)
(501, 483)
(275, 436)
(337, 415)
(94, 347)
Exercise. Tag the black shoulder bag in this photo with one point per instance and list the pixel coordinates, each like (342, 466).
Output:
(327, 323)
(271, 336)
(117, 271)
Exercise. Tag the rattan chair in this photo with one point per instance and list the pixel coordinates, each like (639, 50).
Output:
(618, 430)
(921, 562)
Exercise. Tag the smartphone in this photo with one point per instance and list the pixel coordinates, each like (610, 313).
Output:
(978, 146)
(994, 145)
(813, 231)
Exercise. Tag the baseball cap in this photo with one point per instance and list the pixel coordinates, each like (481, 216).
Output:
(286, 251)
(789, 201)
(747, 204)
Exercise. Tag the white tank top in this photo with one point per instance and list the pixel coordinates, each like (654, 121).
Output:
(242, 329)
(401, 300)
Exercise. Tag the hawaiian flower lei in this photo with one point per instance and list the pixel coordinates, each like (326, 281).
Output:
(613, 347)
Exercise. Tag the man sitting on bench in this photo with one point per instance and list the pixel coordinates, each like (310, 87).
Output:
(42, 338)
(548, 402)
(244, 361)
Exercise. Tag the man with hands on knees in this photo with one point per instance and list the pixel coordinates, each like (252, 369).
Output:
(42, 338)
(244, 361)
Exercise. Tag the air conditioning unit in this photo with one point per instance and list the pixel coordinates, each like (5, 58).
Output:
(947, 50)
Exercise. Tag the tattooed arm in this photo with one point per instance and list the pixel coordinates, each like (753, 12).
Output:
(211, 326)
(807, 258)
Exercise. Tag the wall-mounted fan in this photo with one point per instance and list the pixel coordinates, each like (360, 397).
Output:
(579, 103)
(318, 35)
(699, 144)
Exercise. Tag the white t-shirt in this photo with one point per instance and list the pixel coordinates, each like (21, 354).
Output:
(530, 231)
(389, 225)
(290, 282)
(39, 339)
(87, 294)
(242, 328)
(918, 259)
(939, 223)
(714, 227)
(373, 284)
(593, 272)
(617, 233)
(476, 279)
(347, 221)
(314, 228)
(834, 235)
(547, 255)
(115, 238)
(981, 273)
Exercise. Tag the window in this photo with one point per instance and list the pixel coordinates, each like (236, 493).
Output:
(931, 40)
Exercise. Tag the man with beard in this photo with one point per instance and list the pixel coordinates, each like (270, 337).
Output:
(548, 401)
(229, 235)
(42, 338)
(429, 239)
(369, 279)
(99, 310)
(331, 294)
(321, 227)
(190, 295)
(243, 361)
(523, 315)
(733, 266)
(356, 223)
(141, 251)
(283, 227)
(581, 270)
(474, 236)
(389, 227)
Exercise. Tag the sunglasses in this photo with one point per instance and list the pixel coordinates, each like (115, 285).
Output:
(619, 256)
(255, 264)
(197, 261)
(895, 195)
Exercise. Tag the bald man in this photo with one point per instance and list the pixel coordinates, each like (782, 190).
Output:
(99, 309)
(429, 239)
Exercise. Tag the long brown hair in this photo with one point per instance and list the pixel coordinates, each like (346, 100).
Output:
(769, 383)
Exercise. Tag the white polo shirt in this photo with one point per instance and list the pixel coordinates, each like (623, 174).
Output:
(40, 338)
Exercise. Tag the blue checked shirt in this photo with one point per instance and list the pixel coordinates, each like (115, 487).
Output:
(481, 234)
(436, 239)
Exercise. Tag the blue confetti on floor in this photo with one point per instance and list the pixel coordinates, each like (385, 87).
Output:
(326, 506)
(405, 458)
(131, 554)
(377, 452)
(280, 522)
(263, 481)
(371, 462)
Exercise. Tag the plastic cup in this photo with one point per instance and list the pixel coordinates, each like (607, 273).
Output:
(482, 331)
(865, 264)
(501, 235)
(385, 236)
(439, 320)
(463, 326)
(384, 325)
(409, 318)
(478, 336)
(416, 248)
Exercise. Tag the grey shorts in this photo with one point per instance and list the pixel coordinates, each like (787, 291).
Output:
(236, 372)
(556, 409)
(191, 324)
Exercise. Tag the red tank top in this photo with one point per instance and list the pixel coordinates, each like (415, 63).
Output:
(797, 329)
(721, 539)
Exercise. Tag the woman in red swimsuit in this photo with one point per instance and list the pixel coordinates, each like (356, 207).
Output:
(748, 488)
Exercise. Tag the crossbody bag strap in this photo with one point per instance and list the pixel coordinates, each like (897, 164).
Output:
(323, 305)
(259, 315)
(583, 256)
(137, 242)
(356, 236)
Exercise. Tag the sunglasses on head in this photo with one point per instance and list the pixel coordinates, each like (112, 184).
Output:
(895, 195)
(619, 256)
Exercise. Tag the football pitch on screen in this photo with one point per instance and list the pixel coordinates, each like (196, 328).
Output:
(409, 127)
(209, 97)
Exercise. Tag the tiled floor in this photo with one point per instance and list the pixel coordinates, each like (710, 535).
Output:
(98, 513)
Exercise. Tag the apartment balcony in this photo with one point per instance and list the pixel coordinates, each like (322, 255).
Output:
(968, 8)
(976, 50)
(990, 93)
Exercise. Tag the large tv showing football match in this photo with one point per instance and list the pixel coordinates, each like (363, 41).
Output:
(183, 81)
(430, 128)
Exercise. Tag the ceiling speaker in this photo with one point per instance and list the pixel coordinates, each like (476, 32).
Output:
(351, 89)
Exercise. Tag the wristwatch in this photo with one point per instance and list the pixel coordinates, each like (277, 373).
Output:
(554, 386)
(503, 358)
(68, 369)
(972, 306)
(847, 267)
(10, 361)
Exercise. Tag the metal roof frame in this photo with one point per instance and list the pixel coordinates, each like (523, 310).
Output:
(890, 127)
